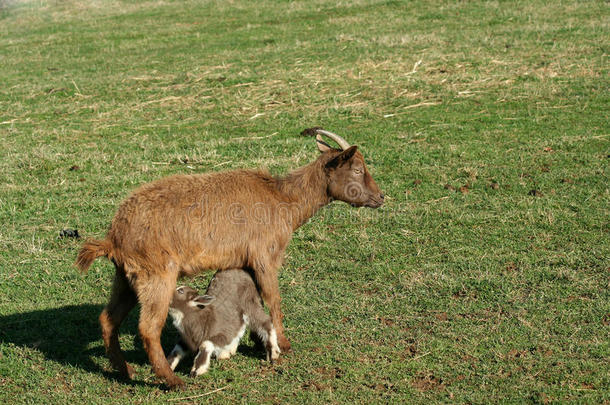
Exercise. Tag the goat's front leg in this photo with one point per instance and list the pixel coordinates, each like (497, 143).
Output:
(266, 278)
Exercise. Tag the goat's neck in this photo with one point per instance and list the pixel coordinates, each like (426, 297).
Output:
(305, 191)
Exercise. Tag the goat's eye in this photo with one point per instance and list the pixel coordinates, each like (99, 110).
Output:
(358, 171)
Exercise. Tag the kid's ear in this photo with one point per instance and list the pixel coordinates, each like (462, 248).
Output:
(202, 301)
(342, 157)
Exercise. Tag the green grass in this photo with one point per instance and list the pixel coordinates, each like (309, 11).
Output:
(488, 294)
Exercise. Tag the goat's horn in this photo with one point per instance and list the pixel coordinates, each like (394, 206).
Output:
(342, 142)
(321, 142)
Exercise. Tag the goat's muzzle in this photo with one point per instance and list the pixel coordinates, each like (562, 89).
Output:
(375, 202)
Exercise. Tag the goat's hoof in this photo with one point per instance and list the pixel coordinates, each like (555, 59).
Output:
(130, 372)
(127, 372)
(175, 384)
(284, 344)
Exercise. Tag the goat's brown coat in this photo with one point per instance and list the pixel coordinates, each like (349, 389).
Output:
(238, 219)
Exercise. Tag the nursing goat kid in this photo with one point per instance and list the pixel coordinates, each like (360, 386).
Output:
(214, 323)
(180, 225)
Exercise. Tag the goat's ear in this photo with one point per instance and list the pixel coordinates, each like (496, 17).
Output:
(202, 301)
(342, 157)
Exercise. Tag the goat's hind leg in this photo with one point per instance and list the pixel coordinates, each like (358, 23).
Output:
(262, 327)
(154, 294)
(122, 300)
(201, 364)
(177, 354)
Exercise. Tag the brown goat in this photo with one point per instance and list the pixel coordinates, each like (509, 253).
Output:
(213, 324)
(183, 224)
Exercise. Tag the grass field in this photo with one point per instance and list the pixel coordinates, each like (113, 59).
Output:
(484, 278)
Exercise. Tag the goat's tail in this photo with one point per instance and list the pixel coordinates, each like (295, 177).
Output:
(91, 250)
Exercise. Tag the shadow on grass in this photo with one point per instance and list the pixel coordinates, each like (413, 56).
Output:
(68, 335)
(71, 335)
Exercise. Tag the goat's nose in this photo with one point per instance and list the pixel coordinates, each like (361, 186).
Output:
(381, 196)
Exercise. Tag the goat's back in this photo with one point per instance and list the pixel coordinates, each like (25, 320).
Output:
(195, 222)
